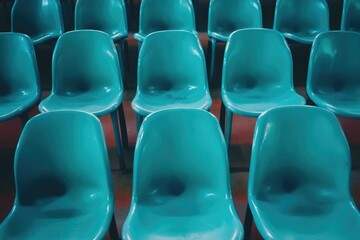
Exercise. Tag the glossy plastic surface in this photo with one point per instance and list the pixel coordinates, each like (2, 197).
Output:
(257, 77)
(159, 15)
(19, 77)
(303, 20)
(86, 74)
(350, 20)
(108, 16)
(171, 73)
(226, 16)
(299, 180)
(40, 19)
(181, 186)
(334, 69)
(63, 180)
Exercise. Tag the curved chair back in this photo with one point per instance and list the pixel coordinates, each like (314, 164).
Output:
(158, 15)
(61, 172)
(250, 63)
(85, 60)
(107, 16)
(226, 16)
(40, 19)
(19, 76)
(18, 66)
(301, 20)
(334, 67)
(300, 171)
(350, 20)
(171, 60)
(192, 141)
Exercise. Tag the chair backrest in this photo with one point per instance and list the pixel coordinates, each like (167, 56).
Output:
(171, 60)
(249, 62)
(62, 154)
(40, 19)
(303, 18)
(350, 20)
(18, 65)
(226, 16)
(334, 64)
(181, 154)
(85, 60)
(300, 150)
(108, 16)
(158, 15)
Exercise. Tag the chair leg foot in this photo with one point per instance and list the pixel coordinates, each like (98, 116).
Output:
(115, 122)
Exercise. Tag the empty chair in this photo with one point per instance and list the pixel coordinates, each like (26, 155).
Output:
(19, 77)
(303, 20)
(350, 20)
(334, 69)
(171, 74)
(158, 15)
(299, 179)
(86, 76)
(108, 16)
(181, 187)
(256, 77)
(63, 180)
(226, 16)
(40, 19)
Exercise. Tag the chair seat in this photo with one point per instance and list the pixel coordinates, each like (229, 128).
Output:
(145, 104)
(253, 103)
(302, 37)
(175, 221)
(13, 105)
(98, 103)
(220, 36)
(32, 222)
(339, 103)
(304, 219)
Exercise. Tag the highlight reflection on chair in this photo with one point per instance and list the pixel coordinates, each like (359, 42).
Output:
(299, 176)
(63, 180)
(303, 20)
(256, 77)
(19, 77)
(171, 74)
(86, 76)
(334, 69)
(181, 187)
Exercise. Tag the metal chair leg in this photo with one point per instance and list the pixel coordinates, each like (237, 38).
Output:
(113, 232)
(115, 122)
(122, 120)
(222, 117)
(228, 127)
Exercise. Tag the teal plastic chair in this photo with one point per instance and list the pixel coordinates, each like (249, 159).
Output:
(159, 15)
(19, 77)
(301, 21)
(256, 77)
(334, 70)
(63, 181)
(227, 16)
(350, 20)
(299, 179)
(171, 74)
(86, 76)
(181, 186)
(108, 16)
(40, 19)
